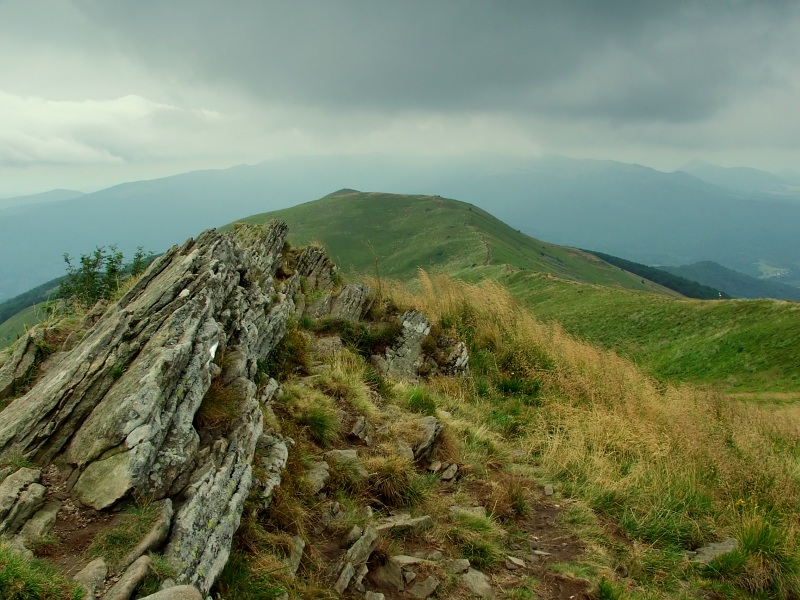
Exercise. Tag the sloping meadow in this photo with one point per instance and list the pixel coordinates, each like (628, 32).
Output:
(655, 471)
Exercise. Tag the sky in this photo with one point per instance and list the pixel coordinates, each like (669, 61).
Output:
(95, 92)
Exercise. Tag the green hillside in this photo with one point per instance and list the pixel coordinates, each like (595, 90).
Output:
(406, 233)
(11, 328)
(734, 345)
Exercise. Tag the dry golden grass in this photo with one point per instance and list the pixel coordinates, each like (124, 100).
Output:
(674, 464)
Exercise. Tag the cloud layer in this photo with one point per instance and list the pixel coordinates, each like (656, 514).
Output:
(99, 81)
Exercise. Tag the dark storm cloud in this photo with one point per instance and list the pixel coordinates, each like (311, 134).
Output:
(672, 61)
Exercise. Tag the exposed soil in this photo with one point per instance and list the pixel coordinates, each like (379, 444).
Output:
(75, 526)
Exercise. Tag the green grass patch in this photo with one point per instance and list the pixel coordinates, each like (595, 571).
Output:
(114, 543)
(23, 579)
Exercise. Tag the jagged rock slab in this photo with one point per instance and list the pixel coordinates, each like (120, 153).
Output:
(120, 408)
(201, 537)
(296, 554)
(41, 523)
(388, 576)
(404, 358)
(317, 476)
(92, 577)
(130, 580)
(424, 589)
(708, 553)
(457, 565)
(179, 592)
(122, 402)
(21, 495)
(477, 584)
(351, 302)
(20, 365)
(430, 428)
(404, 521)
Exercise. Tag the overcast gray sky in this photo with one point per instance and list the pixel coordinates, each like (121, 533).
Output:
(94, 92)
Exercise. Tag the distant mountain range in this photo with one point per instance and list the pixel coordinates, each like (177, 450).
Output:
(734, 283)
(625, 210)
(25, 202)
(745, 181)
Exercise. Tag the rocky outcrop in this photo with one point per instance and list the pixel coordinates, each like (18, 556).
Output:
(20, 366)
(21, 495)
(417, 353)
(404, 358)
(120, 410)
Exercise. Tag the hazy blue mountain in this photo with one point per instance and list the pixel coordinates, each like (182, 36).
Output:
(734, 283)
(155, 214)
(33, 199)
(645, 215)
(621, 209)
(744, 180)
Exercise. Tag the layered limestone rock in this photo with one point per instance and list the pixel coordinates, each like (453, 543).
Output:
(407, 358)
(120, 409)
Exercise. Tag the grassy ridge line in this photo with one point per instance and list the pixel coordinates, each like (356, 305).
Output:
(406, 233)
(735, 345)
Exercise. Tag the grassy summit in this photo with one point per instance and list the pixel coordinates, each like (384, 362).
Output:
(405, 233)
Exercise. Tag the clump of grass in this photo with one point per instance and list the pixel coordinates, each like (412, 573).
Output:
(160, 569)
(290, 506)
(509, 498)
(45, 545)
(479, 539)
(23, 579)
(220, 407)
(421, 400)
(608, 590)
(240, 580)
(344, 381)
(289, 357)
(313, 413)
(113, 544)
(321, 422)
(766, 562)
(394, 482)
(378, 383)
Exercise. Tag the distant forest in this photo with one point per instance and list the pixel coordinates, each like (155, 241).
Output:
(687, 287)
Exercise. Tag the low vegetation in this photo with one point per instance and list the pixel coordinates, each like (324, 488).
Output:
(644, 472)
(23, 579)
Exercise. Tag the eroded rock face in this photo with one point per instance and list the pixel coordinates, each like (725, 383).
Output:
(121, 406)
(408, 358)
(404, 358)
